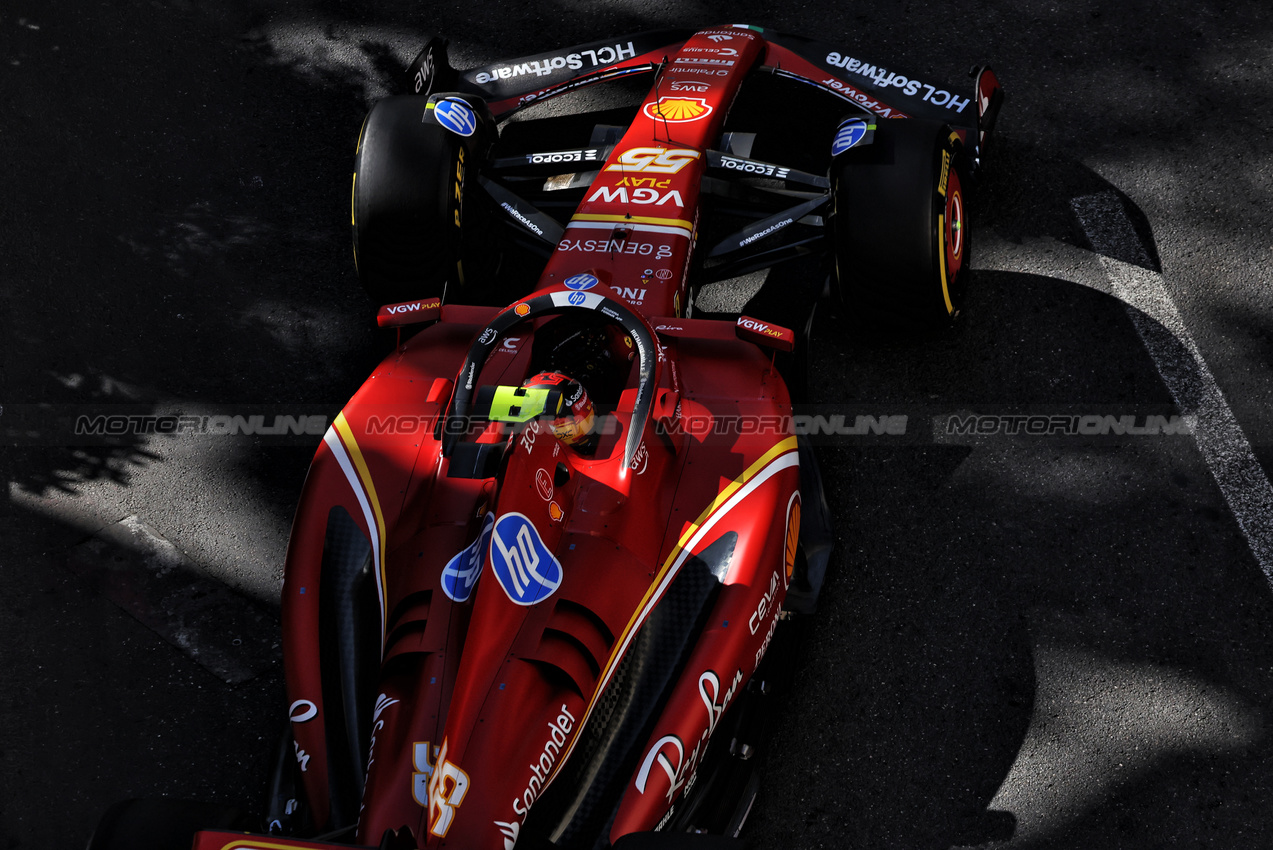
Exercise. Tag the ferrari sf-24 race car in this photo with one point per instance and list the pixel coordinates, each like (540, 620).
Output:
(546, 558)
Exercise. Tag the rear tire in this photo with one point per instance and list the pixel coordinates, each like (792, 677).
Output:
(411, 178)
(900, 226)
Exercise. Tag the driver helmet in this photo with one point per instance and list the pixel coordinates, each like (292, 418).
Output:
(575, 415)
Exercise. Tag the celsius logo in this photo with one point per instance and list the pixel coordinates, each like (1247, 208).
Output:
(524, 567)
(456, 115)
(461, 572)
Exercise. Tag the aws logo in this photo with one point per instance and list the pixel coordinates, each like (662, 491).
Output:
(678, 110)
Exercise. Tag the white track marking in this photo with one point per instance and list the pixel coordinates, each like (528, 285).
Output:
(1224, 447)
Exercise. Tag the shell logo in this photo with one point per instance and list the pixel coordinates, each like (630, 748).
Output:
(522, 309)
(678, 109)
(793, 535)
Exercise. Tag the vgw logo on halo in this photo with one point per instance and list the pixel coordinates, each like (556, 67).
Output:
(523, 566)
(460, 574)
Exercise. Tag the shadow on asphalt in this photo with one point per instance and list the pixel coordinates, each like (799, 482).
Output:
(931, 696)
(214, 273)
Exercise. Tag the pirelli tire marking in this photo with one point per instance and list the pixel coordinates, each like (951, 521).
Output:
(950, 224)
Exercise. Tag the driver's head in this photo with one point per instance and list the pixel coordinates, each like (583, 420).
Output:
(597, 355)
(575, 417)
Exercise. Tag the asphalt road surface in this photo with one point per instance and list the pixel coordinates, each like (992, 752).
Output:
(1029, 638)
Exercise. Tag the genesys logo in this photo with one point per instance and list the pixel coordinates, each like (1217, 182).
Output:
(461, 573)
(522, 563)
(614, 246)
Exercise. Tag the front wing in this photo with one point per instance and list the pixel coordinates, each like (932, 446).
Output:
(874, 88)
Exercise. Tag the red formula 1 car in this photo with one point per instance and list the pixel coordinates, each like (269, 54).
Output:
(542, 554)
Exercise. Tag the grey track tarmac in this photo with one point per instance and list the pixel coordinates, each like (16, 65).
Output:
(1027, 640)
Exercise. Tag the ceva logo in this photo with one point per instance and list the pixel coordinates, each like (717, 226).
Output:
(461, 573)
(523, 566)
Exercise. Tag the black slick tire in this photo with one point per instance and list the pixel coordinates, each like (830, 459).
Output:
(899, 228)
(407, 205)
